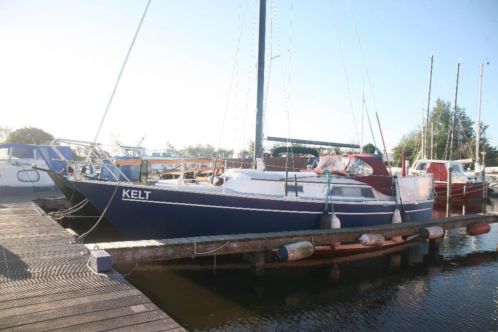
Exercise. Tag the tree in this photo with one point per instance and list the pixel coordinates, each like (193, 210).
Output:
(491, 153)
(206, 151)
(248, 152)
(4, 133)
(441, 122)
(29, 135)
(369, 148)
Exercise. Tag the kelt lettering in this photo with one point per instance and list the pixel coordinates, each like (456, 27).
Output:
(136, 194)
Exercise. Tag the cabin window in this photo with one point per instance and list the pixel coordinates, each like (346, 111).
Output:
(359, 167)
(22, 152)
(457, 168)
(28, 176)
(422, 166)
(352, 192)
(292, 188)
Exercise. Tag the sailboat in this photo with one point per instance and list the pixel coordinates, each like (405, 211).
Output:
(361, 192)
(452, 185)
(463, 189)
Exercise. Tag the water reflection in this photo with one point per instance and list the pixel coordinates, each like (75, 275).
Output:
(471, 207)
(392, 293)
(365, 297)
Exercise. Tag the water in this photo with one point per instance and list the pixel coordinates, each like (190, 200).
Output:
(457, 293)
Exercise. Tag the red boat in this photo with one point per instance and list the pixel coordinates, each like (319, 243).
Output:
(464, 189)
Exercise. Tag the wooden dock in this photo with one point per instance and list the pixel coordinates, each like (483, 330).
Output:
(45, 284)
(258, 243)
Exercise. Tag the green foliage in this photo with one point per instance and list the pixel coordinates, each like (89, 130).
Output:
(491, 152)
(205, 151)
(409, 143)
(248, 152)
(369, 148)
(29, 135)
(464, 139)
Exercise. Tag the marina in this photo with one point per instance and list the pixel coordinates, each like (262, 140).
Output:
(47, 283)
(235, 181)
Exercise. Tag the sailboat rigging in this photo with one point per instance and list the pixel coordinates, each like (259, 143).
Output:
(357, 189)
(451, 183)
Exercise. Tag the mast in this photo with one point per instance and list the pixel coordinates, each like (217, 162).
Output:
(450, 152)
(478, 122)
(425, 147)
(258, 141)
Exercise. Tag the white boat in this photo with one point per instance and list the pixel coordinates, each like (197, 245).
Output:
(19, 163)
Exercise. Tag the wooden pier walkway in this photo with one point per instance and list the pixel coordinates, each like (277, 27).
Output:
(45, 284)
(129, 252)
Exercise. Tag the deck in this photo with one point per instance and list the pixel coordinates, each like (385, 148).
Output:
(45, 283)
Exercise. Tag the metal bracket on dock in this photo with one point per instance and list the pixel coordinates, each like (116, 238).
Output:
(100, 261)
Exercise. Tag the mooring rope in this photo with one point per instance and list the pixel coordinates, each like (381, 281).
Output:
(196, 253)
(95, 272)
(82, 236)
(58, 215)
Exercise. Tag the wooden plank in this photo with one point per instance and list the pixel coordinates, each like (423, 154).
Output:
(57, 296)
(158, 325)
(40, 241)
(127, 162)
(79, 318)
(47, 315)
(45, 283)
(41, 290)
(116, 322)
(152, 250)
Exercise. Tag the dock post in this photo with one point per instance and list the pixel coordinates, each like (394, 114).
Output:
(448, 192)
(334, 272)
(433, 254)
(394, 262)
(258, 260)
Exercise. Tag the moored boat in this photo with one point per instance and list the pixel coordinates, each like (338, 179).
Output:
(362, 193)
(20, 166)
(250, 201)
(464, 189)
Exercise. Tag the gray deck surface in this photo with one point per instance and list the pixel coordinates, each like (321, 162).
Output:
(45, 284)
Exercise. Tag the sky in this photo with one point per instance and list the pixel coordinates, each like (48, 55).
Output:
(191, 76)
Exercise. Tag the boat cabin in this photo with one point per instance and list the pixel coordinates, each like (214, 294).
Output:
(366, 168)
(439, 170)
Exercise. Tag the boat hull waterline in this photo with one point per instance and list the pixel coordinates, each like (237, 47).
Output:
(145, 212)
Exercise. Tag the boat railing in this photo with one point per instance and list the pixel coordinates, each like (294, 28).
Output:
(79, 168)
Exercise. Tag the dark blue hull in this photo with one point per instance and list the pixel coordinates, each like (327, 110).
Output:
(144, 212)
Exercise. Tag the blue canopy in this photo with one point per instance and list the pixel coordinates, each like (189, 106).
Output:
(53, 160)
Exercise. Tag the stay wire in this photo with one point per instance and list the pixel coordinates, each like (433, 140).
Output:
(289, 82)
(234, 75)
(358, 38)
(120, 74)
(346, 74)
